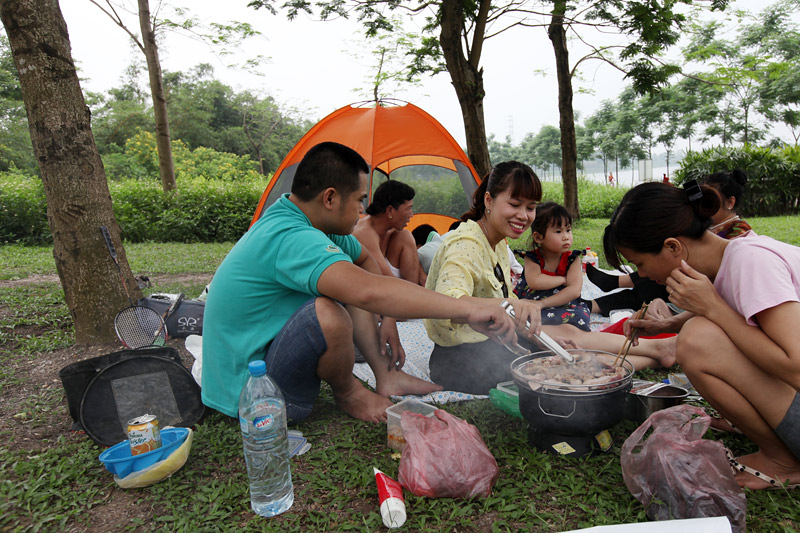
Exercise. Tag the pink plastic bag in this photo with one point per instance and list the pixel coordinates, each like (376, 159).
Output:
(445, 457)
(676, 474)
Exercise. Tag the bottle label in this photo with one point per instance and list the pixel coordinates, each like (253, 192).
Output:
(263, 423)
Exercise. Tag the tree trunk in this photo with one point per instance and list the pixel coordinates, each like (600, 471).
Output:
(78, 199)
(569, 147)
(163, 142)
(467, 79)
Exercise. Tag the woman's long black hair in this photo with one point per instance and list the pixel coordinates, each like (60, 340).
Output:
(652, 212)
(519, 178)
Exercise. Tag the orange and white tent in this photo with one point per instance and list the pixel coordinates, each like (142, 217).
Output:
(389, 136)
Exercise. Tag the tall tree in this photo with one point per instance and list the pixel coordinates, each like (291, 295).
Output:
(148, 46)
(78, 199)
(15, 142)
(736, 70)
(166, 167)
(150, 27)
(648, 26)
(456, 33)
(557, 32)
(778, 37)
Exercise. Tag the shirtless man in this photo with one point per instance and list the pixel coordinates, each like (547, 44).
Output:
(298, 290)
(383, 232)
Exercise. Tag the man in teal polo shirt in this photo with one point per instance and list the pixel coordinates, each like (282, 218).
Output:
(298, 291)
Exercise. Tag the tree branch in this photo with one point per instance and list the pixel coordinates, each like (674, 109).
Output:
(118, 21)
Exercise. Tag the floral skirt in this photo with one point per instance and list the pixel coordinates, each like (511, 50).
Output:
(577, 312)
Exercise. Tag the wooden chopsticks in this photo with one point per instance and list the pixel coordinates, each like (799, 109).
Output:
(626, 346)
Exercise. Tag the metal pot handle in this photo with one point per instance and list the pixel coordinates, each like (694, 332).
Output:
(574, 405)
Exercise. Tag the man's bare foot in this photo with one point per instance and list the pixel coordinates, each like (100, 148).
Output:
(758, 462)
(361, 403)
(398, 383)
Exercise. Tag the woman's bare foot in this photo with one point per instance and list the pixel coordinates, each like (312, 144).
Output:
(721, 424)
(758, 462)
(398, 383)
(665, 351)
(361, 403)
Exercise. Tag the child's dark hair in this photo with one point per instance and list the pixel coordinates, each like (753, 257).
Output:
(652, 212)
(549, 214)
(520, 180)
(421, 233)
(729, 184)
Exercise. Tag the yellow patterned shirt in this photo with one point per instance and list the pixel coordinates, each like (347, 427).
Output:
(464, 266)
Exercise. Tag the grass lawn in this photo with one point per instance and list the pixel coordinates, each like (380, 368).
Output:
(51, 480)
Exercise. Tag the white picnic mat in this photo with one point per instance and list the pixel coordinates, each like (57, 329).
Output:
(418, 349)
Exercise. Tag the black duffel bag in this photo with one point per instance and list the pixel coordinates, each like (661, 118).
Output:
(105, 392)
(187, 319)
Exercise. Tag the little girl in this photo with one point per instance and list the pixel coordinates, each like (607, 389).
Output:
(552, 273)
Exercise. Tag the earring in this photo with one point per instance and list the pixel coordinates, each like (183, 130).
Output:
(488, 211)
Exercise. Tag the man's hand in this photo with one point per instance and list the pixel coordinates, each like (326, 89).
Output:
(492, 320)
(389, 335)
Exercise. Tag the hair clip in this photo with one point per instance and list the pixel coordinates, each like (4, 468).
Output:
(692, 190)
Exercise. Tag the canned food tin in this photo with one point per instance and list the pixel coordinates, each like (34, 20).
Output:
(144, 434)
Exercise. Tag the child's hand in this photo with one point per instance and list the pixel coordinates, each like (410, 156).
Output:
(567, 343)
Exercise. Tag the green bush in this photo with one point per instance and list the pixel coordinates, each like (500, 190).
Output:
(442, 197)
(773, 186)
(140, 161)
(201, 210)
(596, 200)
(23, 209)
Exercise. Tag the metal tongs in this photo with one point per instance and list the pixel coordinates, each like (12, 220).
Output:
(542, 337)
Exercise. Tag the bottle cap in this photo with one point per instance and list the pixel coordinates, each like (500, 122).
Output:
(257, 368)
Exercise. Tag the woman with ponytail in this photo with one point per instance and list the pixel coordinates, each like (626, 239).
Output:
(727, 223)
(472, 263)
(739, 348)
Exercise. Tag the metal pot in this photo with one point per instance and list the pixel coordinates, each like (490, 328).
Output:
(570, 409)
(639, 407)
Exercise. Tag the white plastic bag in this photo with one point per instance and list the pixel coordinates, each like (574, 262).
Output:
(194, 345)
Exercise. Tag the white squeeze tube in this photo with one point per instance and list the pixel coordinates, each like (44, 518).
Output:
(390, 494)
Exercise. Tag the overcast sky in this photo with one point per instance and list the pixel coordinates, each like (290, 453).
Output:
(316, 65)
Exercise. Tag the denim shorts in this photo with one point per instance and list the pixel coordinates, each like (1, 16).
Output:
(789, 428)
(292, 359)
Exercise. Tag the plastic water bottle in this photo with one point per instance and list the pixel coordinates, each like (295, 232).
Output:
(262, 419)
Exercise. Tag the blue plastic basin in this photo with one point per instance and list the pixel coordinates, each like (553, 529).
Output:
(119, 461)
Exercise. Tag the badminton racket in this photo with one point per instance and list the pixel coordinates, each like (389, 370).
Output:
(137, 326)
(168, 313)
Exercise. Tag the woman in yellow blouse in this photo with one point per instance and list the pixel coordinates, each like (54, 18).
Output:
(472, 262)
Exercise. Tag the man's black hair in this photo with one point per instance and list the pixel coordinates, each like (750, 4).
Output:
(328, 164)
(390, 193)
